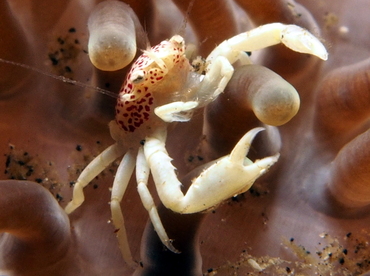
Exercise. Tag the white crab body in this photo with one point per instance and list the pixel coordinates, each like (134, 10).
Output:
(163, 87)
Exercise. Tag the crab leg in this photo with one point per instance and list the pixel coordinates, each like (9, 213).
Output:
(121, 180)
(95, 167)
(292, 36)
(142, 175)
(227, 177)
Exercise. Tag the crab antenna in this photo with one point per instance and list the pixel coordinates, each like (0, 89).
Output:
(186, 17)
(61, 78)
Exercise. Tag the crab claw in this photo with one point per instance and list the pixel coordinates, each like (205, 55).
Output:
(302, 41)
(229, 176)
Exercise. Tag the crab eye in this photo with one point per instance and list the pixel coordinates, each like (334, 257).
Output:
(137, 77)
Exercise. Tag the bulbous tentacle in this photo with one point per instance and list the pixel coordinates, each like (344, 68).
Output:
(37, 230)
(349, 181)
(112, 39)
(343, 104)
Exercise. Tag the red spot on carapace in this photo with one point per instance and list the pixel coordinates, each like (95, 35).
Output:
(137, 124)
(132, 107)
(131, 128)
(141, 101)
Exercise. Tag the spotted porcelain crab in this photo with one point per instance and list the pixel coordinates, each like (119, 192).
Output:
(162, 87)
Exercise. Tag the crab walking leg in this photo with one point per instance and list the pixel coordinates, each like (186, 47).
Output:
(95, 167)
(142, 175)
(121, 180)
(227, 177)
(292, 36)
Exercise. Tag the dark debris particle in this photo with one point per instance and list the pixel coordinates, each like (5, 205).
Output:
(72, 183)
(60, 40)
(95, 186)
(78, 147)
(141, 264)
(190, 158)
(254, 192)
(77, 41)
(142, 142)
(287, 269)
(72, 30)
(58, 197)
(235, 198)
(7, 162)
(98, 142)
(30, 170)
(38, 180)
(348, 234)
(54, 60)
(291, 240)
(68, 69)
(21, 163)
(107, 85)
(341, 261)
(209, 270)
(345, 251)
(200, 158)
(249, 53)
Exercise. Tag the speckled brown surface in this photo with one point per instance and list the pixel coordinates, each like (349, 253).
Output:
(50, 130)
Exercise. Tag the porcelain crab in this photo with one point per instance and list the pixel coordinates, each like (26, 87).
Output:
(163, 86)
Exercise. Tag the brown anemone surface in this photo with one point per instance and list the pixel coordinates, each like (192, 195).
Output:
(307, 216)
